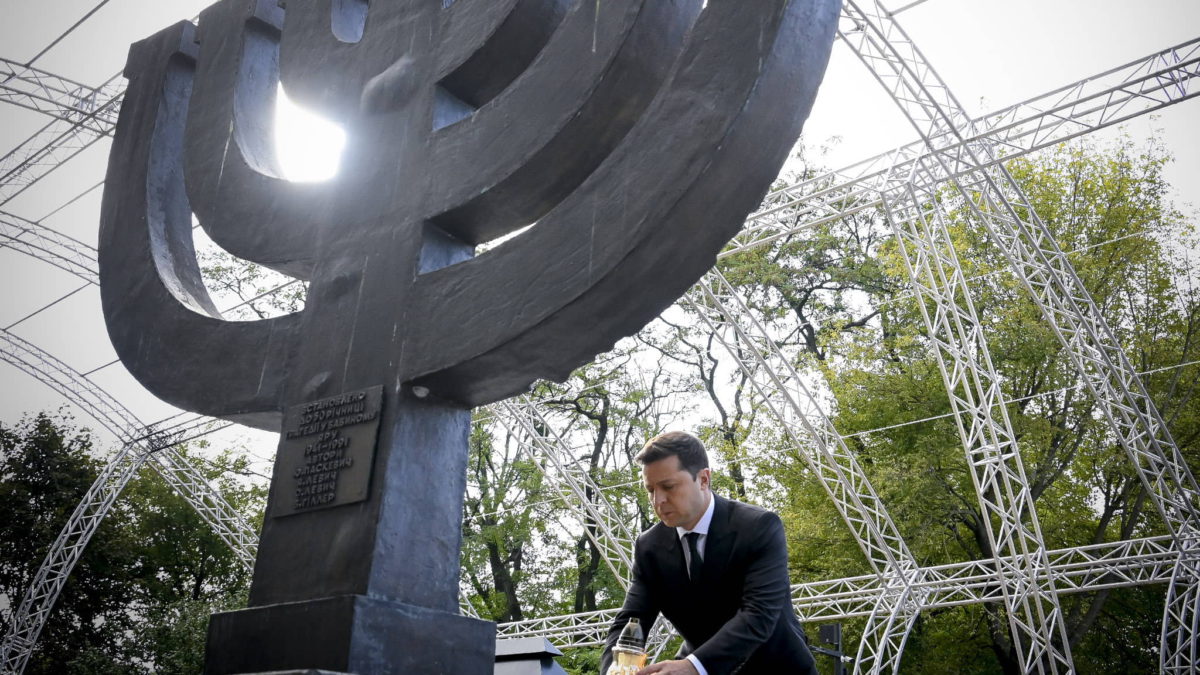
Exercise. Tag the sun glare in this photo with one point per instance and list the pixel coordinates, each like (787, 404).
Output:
(309, 147)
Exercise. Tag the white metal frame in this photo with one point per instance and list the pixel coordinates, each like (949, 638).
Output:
(140, 444)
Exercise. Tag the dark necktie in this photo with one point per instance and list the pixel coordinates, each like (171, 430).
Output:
(693, 538)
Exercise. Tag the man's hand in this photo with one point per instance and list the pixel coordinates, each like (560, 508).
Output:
(680, 667)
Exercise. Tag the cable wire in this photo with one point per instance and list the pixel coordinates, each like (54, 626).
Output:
(67, 32)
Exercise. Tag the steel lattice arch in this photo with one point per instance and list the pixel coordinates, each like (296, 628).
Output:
(954, 152)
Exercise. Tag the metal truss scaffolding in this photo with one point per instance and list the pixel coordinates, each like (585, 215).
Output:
(38, 241)
(996, 204)
(1141, 87)
(1035, 619)
(66, 100)
(140, 444)
(957, 162)
(603, 523)
(35, 607)
(1083, 569)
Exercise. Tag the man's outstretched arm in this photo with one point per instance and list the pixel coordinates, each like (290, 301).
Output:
(639, 604)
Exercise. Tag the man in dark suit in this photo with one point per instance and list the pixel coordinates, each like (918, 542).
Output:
(716, 568)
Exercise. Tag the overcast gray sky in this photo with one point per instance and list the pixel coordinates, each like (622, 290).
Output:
(992, 54)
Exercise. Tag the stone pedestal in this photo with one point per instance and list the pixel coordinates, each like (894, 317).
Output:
(365, 582)
(349, 634)
(527, 656)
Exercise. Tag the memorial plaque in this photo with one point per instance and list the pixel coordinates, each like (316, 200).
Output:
(326, 451)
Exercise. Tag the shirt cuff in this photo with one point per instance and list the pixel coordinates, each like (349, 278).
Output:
(696, 662)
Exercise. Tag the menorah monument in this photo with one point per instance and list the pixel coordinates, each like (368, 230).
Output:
(630, 138)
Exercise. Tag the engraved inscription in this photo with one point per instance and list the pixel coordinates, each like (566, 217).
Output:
(316, 481)
(326, 451)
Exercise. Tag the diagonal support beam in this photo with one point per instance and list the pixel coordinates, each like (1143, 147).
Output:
(43, 243)
(1140, 87)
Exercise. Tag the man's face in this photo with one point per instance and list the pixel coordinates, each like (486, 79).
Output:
(678, 499)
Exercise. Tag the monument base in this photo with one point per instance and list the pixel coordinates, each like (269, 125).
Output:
(350, 634)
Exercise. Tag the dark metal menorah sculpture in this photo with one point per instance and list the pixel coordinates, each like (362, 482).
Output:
(634, 134)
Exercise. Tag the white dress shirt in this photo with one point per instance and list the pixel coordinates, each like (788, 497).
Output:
(701, 528)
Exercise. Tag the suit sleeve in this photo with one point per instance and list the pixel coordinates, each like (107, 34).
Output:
(766, 593)
(639, 603)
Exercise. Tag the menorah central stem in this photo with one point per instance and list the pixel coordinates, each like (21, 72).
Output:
(369, 585)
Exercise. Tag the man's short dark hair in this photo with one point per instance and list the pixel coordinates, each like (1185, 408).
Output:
(688, 448)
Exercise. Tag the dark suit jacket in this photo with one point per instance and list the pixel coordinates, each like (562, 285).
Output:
(739, 613)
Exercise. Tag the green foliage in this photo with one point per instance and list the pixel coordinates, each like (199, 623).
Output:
(1107, 209)
(45, 468)
(140, 596)
(581, 661)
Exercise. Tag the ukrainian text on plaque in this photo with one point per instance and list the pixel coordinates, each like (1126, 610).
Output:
(326, 451)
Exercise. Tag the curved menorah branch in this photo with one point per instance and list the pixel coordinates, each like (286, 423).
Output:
(235, 186)
(586, 89)
(159, 316)
(499, 51)
(467, 25)
(652, 216)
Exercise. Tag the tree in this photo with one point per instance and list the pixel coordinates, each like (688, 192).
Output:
(1108, 209)
(140, 596)
(499, 536)
(45, 468)
(248, 290)
(613, 410)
